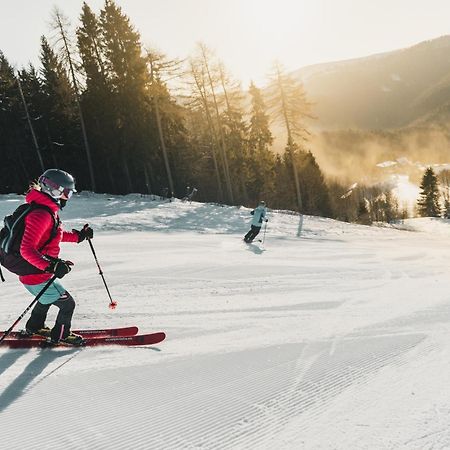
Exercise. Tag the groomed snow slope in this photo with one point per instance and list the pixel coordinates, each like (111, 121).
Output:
(335, 340)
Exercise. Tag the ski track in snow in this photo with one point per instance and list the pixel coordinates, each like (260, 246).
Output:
(335, 340)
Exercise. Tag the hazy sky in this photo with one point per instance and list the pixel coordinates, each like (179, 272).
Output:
(247, 35)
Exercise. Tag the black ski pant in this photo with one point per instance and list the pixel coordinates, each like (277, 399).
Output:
(61, 329)
(254, 231)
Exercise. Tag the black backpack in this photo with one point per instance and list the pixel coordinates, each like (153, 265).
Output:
(11, 237)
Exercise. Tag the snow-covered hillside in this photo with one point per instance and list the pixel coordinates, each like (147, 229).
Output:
(338, 339)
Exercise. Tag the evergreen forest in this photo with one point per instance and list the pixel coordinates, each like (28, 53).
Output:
(123, 118)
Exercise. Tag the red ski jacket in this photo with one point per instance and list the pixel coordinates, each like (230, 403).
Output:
(38, 228)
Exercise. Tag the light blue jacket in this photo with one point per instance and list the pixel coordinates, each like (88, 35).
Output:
(259, 215)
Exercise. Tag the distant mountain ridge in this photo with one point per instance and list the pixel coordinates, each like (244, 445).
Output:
(384, 91)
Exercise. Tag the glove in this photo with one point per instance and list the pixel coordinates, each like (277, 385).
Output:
(59, 267)
(85, 233)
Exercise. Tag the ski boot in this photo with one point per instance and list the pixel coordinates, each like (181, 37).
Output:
(44, 332)
(73, 339)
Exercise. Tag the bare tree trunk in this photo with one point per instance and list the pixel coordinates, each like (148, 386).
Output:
(244, 192)
(159, 124)
(216, 168)
(36, 146)
(216, 165)
(20, 160)
(147, 180)
(77, 97)
(204, 101)
(126, 171)
(219, 124)
(106, 157)
(152, 181)
(290, 150)
(163, 146)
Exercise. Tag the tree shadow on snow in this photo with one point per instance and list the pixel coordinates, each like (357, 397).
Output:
(18, 387)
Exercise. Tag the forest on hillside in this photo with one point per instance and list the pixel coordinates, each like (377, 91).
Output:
(123, 118)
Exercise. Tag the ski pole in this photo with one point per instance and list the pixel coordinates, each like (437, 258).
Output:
(264, 236)
(41, 293)
(112, 303)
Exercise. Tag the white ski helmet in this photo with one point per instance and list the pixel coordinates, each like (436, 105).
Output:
(56, 183)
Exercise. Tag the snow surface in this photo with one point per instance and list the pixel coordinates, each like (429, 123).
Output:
(338, 339)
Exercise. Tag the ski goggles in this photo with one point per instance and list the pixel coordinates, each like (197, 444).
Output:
(55, 190)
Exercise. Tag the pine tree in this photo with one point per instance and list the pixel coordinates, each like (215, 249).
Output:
(124, 62)
(55, 82)
(428, 202)
(59, 111)
(316, 199)
(98, 101)
(444, 182)
(29, 87)
(90, 47)
(128, 78)
(262, 160)
(14, 132)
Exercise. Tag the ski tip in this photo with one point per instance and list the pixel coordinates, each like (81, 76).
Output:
(159, 337)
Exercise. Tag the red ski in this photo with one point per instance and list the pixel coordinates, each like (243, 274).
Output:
(102, 332)
(136, 340)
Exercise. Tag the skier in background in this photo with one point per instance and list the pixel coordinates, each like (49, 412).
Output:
(53, 190)
(259, 215)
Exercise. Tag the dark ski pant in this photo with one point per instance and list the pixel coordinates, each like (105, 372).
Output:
(61, 329)
(254, 231)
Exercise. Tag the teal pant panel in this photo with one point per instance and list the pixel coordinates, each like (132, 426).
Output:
(51, 295)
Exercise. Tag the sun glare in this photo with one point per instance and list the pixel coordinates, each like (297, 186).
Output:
(276, 26)
(406, 192)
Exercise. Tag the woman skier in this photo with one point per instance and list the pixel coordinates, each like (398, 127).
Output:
(39, 248)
